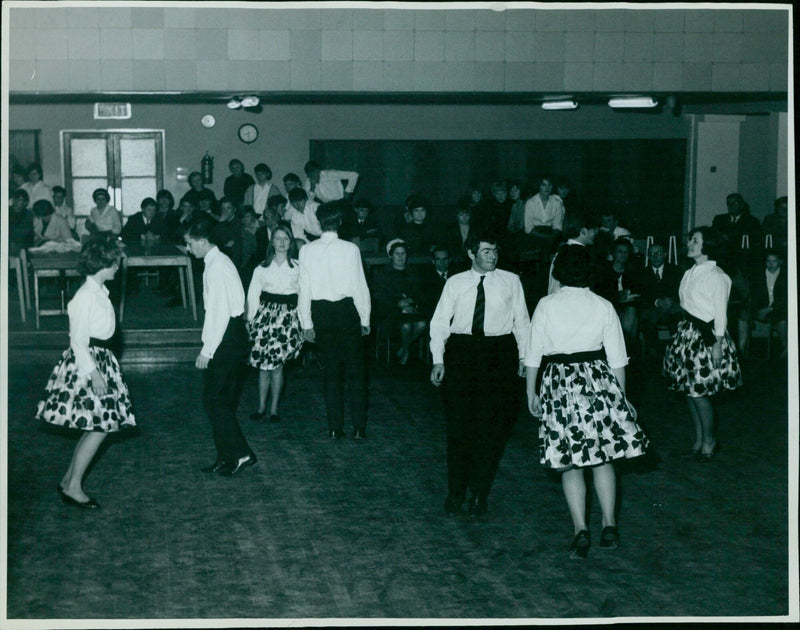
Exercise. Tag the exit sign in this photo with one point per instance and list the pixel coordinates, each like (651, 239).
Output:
(115, 111)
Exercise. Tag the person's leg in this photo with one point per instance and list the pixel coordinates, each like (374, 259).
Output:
(574, 486)
(742, 332)
(72, 483)
(328, 351)
(276, 384)
(705, 412)
(264, 379)
(406, 337)
(605, 485)
(698, 426)
(353, 358)
(783, 332)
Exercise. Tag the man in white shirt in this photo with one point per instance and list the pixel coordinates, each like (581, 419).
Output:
(326, 185)
(225, 347)
(482, 318)
(334, 310)
(308, 209)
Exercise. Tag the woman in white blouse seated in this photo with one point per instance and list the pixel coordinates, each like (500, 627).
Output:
(275, 332)
(702, 359)
(85, 390)
(103, 217)
(586, 420)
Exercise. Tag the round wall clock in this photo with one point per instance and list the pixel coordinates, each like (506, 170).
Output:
(248, 133)
(208, 121)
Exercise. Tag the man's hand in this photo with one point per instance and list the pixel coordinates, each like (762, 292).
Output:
(364, 331)
(437, 374)
(309, 335)
(201, 363)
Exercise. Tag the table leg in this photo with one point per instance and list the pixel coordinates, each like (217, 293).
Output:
(181, 274)
(122, 282)
(23, 256)
(36, 295)
(20, 288)
(190, 283)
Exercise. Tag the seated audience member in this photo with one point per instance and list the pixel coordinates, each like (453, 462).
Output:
(146, 226)
(517, 204)
(260, 192)
(250, 253)
(495, 213)
(418, 234)
(20, 222)
(659, 304)
(166, 204)
(103, 217)
(49, 226)
(61, 208)
(580, 228)
(619, 282)
(18, 178)
(294, 217)
(397, 296)
(776, 223)
(454, 236)
(610, 231)
(564, 191)
(324, 185)
(300, 201)
(290, 182)
(177, 222)
(202, 199)
(360, 226)
(732, 226)
(35, 187)
(227, 233)
(432, 279)
(542, 220)
(476, 199)
(270, 220)
(768, 301)
(237, 183)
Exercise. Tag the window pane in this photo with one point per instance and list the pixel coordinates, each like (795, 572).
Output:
(133, 191)
(89, 158)
(137, 157)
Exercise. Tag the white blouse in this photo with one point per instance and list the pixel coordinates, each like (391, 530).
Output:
(91, 314)
(223, 298)
(704, 292)
(280, 279)
(573, 319)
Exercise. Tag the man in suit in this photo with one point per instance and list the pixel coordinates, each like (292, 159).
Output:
(146, 226)
(360, 226)
(659, 304)
(733, 225)
(432, 279)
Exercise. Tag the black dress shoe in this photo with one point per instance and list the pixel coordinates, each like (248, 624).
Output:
(91, 504)
(258, 416)
(579, 548)
(215, 467)
(337, 434)
(478, 507)
(609, 537)
(452, 505)
(359, 434)
(234, 468)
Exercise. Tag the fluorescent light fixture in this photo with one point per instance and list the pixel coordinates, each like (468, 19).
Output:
(234, 104)
(250, 101)
(560, 104)
(632, 101)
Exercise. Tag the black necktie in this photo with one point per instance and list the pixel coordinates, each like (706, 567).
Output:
(480, 310)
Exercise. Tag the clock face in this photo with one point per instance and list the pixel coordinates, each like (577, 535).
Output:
(208, 121)
(248, 133)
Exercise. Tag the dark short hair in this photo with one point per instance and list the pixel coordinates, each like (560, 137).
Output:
(621, 241)
(194, 174)
(235, 161)
(329, 216)
(248, 209)
(712, 240)
(292, 177)
(463, 204)
(263, 168)
(42, 208)
(226, 200)
(201, 228)
(35, 166)
(100, 191)
(297, 194)
(659, 243)
(770, 251)
(276, 202)
(98, 252)
(59, 189)
(148, 201)
(574, 222)
(416, 201)
(439, 247)
(572, 266)
(475, 239)
(362, 203)
(311, 167)
(20, 193)
(165, 194)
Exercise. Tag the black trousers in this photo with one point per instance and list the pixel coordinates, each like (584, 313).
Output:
(481, 393)
(341, 350)
(222, 388)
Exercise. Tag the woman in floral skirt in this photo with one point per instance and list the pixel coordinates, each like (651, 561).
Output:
(586, 420)
(701, 360)
(275, 332)
(86, 390)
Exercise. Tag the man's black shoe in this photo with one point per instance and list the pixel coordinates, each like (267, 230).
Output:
(234, 468)
(452, 505)
(337, 434)
(359, 434)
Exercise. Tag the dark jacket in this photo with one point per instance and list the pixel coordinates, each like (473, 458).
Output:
(135, 228)
(759, 295)
(653, 289)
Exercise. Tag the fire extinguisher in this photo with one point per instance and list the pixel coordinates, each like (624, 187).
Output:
(207, 169)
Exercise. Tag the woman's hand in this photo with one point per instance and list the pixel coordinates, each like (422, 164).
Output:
(99, 385)
(716, 354)
(535, 405)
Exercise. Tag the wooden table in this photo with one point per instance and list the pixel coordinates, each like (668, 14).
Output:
(46, 265)
(159, 255)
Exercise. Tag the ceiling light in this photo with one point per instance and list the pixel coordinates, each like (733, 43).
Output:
(250, 101)
(562, 104)
(234, 103)
(632, 101)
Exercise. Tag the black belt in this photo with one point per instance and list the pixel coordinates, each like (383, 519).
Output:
(706, 329)
(277, 298)
(108, 344)
(575, 357)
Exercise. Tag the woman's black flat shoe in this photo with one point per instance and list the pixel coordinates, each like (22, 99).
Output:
(609, 537)
(258, 416)
(579, 548)
(91, 504)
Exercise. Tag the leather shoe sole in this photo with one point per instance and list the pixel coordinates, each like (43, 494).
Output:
(229, 470)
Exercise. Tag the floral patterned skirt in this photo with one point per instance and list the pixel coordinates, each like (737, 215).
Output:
(71, 402)
(689, 368)
(275, 335)
(586, 420)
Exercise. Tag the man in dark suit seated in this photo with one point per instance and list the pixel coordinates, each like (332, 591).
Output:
(146, 226)
(735, 224)
(659, 304)
(360, 226)
(432, 279)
